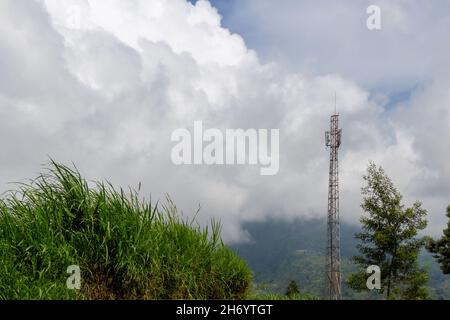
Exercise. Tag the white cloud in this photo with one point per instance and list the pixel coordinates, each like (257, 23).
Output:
(331, 36)
(107, 92)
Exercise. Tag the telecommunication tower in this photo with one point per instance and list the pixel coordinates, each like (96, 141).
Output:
(333, 263)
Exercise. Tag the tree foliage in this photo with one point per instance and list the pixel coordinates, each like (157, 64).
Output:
(292, 289)
(389, 239)
(441, 248)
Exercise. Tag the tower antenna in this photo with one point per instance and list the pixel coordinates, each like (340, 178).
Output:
(335, 102)
(333, 263)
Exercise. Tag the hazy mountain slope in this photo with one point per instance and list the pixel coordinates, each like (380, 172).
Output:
(282, 251)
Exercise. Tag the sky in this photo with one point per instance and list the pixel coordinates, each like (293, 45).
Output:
(103, 84)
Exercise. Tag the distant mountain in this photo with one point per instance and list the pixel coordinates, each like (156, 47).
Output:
(281, 251)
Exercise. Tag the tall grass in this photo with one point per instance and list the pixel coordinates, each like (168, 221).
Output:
(126, 248)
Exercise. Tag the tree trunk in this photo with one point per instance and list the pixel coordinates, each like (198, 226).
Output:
(390, 272)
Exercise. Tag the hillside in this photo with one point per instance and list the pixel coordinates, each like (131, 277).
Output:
(283, 251)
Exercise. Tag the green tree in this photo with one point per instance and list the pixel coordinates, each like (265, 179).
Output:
(441, 248)
(389, 239)
(292, 289)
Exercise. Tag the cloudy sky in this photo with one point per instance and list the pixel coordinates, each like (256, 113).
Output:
(105, 83)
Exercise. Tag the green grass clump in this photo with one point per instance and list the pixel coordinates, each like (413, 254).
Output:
(126, 248)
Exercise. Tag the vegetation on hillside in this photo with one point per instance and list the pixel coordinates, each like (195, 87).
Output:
(125, 248)
(300, 256)
(297, 255)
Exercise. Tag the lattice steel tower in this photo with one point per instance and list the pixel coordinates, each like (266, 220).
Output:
(333, 267)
